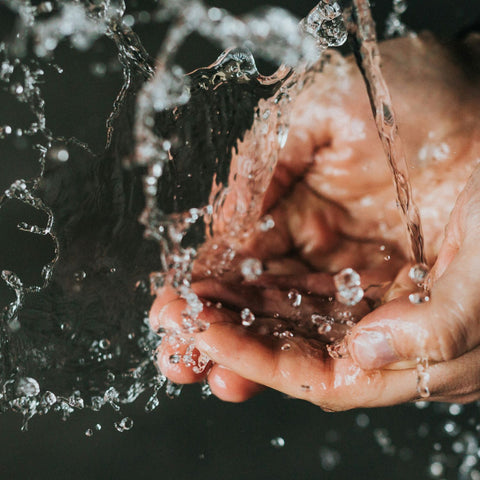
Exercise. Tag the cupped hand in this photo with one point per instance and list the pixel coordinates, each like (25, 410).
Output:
(333, 205)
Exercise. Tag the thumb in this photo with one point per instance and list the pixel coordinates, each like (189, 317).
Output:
(442, 329)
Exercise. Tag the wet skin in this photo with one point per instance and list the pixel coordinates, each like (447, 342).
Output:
(333, 204)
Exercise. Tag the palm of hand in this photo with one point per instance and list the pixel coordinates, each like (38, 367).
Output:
(333, 204)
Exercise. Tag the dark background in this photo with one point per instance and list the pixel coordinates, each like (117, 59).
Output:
(190, 437)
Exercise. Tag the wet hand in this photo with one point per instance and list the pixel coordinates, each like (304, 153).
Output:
(333, 205)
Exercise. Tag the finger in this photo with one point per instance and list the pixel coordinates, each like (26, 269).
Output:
(176, 357)
(304, 372)
(171, 362)
(455, 381)
(231, 387)
(308, 373)
(224, 383)
(442, 329)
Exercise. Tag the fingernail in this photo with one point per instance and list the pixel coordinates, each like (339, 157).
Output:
(371, 349)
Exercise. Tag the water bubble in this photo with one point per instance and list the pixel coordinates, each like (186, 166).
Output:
(247, 317)
(277, 442)
(295, 298)
(251, 269)
(285, 347)
(347, 282)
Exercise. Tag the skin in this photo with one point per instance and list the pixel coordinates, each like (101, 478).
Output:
(333, 203)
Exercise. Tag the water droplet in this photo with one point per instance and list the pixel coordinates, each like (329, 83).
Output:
(174, 359)
(285, 347)
(104, 343)
(173, 390)
(329, 458)
(362, 420)
(79, 276)
(27, 386)
(347, 282)
(423, 378)
(251, 269)
(277, 442)
(324, 323)
(451, 428)
(205, 390)
(88, 432)
(62, 155)
(124, 424)
(455, 409)
(295, 298)
(399, 6)
(152, 403)
(247, 317)
(419, 297)
(50, 398)
(418, 273)
(267, 223)
(338, 350)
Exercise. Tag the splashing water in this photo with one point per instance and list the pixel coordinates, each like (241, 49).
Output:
(118, 366)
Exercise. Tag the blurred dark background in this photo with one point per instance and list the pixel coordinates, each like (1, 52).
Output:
(188, 436)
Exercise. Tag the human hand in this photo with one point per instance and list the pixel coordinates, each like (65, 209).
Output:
(333, 205)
